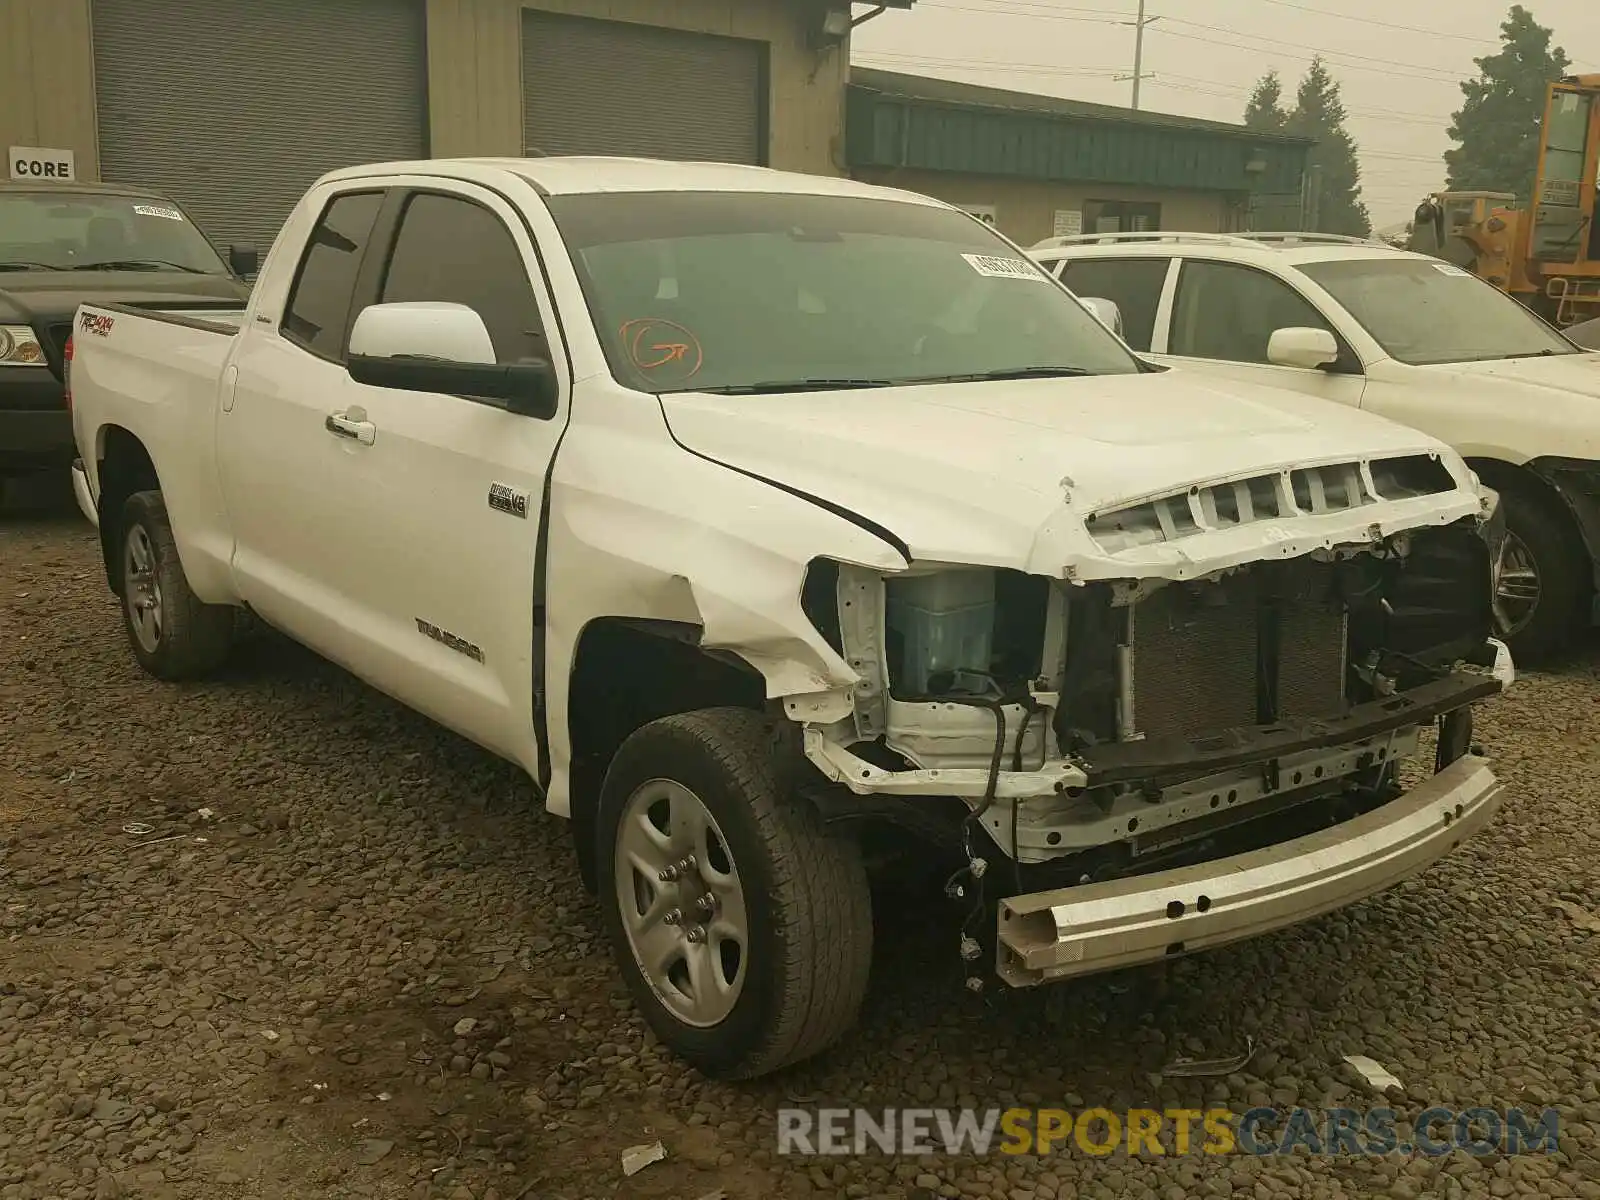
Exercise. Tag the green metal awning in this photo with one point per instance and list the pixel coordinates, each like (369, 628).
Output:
(911, 121)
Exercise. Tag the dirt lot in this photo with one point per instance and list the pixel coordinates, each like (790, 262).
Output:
(371, 971)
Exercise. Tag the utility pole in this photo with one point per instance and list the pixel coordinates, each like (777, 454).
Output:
(1139, 74)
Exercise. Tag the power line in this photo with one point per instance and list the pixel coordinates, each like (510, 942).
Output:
(1226, 91)
(1382, 66)
(1192, 84)
(1433, 33)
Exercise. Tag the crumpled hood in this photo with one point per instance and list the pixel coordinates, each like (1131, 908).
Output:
(32, 297)
(975, 473)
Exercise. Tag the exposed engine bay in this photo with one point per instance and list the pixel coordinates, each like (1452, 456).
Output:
(1104, 729)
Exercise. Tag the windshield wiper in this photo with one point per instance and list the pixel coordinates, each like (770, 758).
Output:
(1007, 373)
(137, 264)
(794, 385)
(19, 265)
(1536, 354)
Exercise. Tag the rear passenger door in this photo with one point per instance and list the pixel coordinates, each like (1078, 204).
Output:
(1223, 315)
(279, 469)
(1134, 284)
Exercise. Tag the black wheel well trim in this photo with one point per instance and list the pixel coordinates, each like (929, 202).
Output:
(1543, 477)
(124, 467)
(586, 773)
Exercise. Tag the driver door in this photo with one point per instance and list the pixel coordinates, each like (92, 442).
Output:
(1222, 316)
(441, 495)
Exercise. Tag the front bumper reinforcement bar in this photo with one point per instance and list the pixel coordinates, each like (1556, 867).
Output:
(1119, 923)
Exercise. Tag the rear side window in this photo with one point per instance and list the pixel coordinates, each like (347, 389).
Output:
(319, 305)
(1133, 284)
(451, 249)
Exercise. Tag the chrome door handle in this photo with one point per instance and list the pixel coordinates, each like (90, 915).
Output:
(344, 426)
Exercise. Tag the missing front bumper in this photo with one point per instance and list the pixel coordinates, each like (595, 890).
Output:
(1084, 930)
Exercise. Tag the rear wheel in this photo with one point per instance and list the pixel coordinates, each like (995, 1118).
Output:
(743, 928)
(173, 634)
(1541, 577)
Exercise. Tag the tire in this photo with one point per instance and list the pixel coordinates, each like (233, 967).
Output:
(187, 639)
(1538, 535)
(803, 894)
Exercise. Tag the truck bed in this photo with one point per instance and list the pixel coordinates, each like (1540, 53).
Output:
(221, 316)
(157, 371)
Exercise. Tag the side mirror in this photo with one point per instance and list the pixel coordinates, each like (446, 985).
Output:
(433, 346)
(1105, 311)
(1300, 346)
(243, 260)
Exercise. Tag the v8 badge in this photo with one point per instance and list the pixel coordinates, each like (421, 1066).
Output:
(506, 499)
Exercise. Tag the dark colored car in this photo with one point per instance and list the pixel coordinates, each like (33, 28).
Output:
(1585, 333)
(62, 245)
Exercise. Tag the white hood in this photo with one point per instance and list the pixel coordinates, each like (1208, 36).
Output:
(1004, 474)
(1542, 406)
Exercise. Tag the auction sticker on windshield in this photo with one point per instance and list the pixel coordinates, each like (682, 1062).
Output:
(158, 210)
(1449, 269)
(1003, 268)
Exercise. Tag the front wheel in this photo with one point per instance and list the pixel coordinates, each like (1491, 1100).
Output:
(174, 635)
(743, 928)
(1541, 578)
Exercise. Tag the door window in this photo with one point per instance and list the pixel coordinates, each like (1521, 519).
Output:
(1133, 284)
(455, 250)
(1121, 216)
(319, 304)
(1230, 312)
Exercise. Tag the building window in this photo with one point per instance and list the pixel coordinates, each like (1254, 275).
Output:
(1120, 216)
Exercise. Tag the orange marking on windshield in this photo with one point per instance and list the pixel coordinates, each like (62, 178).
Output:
(653, 343)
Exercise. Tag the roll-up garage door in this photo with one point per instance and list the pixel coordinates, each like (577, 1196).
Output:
(235, 108)
(613, 87)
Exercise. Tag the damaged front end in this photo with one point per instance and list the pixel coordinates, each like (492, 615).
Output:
(1200, 748)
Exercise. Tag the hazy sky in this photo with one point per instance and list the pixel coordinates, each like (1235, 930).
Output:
(1398, 66)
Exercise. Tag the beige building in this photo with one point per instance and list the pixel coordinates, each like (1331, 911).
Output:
(234, 107)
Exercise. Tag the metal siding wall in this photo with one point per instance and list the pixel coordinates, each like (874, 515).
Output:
(235, 109)
(47, 79)
(1066, 148)
(613, 87)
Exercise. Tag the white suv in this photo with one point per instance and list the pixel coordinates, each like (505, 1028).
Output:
(1403, 335)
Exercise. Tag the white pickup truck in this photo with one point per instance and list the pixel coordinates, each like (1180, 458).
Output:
(763, 518)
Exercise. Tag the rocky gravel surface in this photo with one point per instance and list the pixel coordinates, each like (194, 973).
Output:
(274, 936)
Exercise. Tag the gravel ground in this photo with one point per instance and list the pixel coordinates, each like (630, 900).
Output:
(371, 972)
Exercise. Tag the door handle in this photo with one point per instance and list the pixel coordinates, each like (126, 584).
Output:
(345, 426)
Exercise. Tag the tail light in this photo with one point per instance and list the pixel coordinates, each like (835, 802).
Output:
(66, 371)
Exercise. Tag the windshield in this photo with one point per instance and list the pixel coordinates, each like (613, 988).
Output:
(1423, 312)
(752, 292)
(64, 231)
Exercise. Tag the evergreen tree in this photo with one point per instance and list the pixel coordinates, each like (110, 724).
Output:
(1331, 165)
(1496, 130)
(1265, 109)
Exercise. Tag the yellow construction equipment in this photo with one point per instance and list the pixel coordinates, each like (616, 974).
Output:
(1548, 255)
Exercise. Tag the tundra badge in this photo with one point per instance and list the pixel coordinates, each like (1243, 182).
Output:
(508, 500)
(445, 638)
